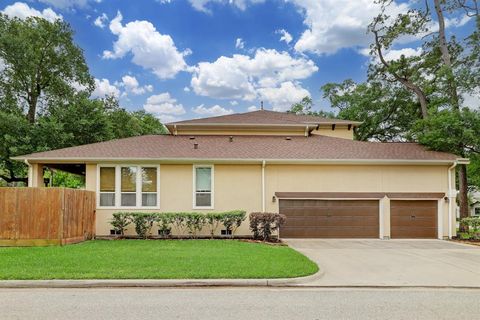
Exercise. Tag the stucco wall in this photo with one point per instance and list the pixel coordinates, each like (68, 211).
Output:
(240, 186)
(343, 133)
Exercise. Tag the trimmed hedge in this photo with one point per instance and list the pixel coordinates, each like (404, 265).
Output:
(190, 223)
(264, 224)
(473, 232)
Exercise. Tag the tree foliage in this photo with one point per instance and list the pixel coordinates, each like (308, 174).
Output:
(45, 102)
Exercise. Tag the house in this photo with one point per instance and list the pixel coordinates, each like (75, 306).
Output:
(474, 197)
(309, 168)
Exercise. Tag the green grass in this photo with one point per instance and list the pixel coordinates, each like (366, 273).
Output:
(155, 259)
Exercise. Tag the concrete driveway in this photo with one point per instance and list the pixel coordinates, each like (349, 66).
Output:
(392, 262)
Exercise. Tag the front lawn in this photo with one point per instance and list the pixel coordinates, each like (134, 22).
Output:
(155, 259)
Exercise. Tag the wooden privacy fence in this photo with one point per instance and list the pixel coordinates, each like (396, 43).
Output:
(46, 216)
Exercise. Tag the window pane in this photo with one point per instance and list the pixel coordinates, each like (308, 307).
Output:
(129, 179)
(107, 179)
(149, 199)
(203, 199)
(149, 179)
(203, 179)
(129, 199)
(107, 199)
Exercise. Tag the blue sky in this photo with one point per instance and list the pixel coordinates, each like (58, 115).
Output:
(183, 59)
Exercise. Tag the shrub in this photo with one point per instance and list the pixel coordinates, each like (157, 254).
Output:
(164, 222)
(194, 222)
(233, 219)
(178, 222)
(143, 223)
(263, 224)
(120, 222)
(213, 220)
(471, 222)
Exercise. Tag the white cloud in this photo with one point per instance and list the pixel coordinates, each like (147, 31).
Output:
(336, 24)
(131, 85)
(201, 5)
(104, 88)
(241, 76)
(239, 43)
(149, 48)
(163, 104)
(252, 108)
(283, 96)
(22, 10)
(186, 89)
(68, 4)
(395, 54)
(215, 110)
(101, 20)
(285, 36)
(233, 103)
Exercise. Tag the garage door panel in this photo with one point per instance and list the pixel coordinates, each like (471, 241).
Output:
(413, 219)
(332, 221)
(330, 218)
(409, 211)
(328, 232)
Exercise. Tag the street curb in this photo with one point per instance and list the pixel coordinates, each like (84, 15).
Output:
(154, 283)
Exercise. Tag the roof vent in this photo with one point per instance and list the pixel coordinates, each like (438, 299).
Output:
(288, 138)
(230, 138)
(192, 138)
(195, 145)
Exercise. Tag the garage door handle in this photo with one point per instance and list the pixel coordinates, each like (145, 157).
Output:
(412, 217)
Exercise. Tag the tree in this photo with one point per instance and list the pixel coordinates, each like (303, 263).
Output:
(384, 109)
(436, 77)
(42, 63)
(44, 96)
(305, 107)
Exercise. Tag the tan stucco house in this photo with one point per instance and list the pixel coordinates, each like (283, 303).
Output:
(307, 167)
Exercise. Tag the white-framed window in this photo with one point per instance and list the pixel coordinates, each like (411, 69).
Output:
(128, 186)
(203, 183)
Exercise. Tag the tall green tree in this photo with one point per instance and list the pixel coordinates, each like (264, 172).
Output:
(42, 64)
(45, 86)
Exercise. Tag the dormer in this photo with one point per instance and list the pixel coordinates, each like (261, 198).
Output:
(264, 122)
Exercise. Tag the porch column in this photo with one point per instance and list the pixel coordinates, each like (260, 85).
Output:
(35, 175)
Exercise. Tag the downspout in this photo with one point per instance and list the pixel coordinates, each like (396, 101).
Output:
(263, 185)
(450, 193)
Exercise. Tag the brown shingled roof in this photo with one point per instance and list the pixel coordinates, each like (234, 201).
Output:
(264, 117)
(315, 147)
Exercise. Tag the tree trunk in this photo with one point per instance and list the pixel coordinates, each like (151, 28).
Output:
(463, 194)
(32, 110)
(442, 39)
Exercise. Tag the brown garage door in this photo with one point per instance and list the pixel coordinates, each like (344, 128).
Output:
(413, 219)
(330, 218)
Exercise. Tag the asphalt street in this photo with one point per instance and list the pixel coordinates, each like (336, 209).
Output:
(239, 303)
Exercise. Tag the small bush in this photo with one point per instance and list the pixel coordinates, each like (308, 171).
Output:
(232, 220)
(264, 224)
(213, 220)
(471, 222)
(194, 222)
(143, 223)
(120, 222)
(164, 222)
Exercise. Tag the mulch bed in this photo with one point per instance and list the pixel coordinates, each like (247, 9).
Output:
(473, 242)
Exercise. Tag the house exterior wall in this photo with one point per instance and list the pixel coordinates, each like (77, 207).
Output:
(343, 133)
(239, 186)
(339, 132)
